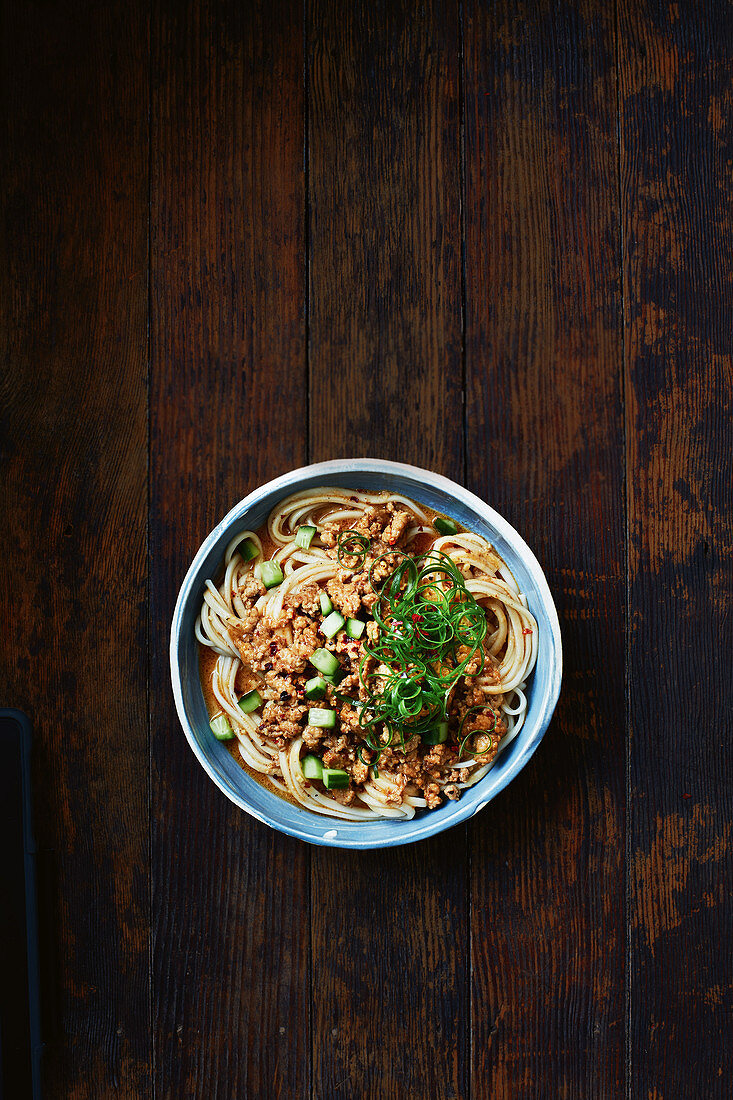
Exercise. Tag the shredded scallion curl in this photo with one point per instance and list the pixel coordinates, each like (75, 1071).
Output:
(352, 549)
(430, 628)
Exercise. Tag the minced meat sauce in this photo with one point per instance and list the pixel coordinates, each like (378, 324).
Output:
(280, 669)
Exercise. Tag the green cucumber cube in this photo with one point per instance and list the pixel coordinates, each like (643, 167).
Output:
(251, 701)
(319, 716)
(335, 778)
(311, 766)
(325, 662)
(221, 728)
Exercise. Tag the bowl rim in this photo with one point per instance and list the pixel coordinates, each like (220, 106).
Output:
(288, 482)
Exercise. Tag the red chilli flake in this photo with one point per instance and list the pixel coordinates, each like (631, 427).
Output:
(527, 630)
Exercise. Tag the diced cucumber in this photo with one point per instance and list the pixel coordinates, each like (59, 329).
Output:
(334, 778)
(355, 628)
(436, 736)
(315, 688)
(251, 701)
(304, 536)
(324, 661)
(325, 719)
(247, 549)
(221, 728)
(311, 766)
(326, 605)
(445, 526)
(332, 624)
(271, 573)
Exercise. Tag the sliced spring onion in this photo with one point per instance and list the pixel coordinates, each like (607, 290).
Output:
(304, 536)
(325, 719)
(324, 661)
(445, 526)
(332, 624)
(352, 549)
(438, 735)
(326, 605)
(335, 778)
(311, 766)
(251, 701)
(315, 688)
(221, 728)
(271, 574)
(355, 628)
(430, 628)
(482, 734)
(247, 549)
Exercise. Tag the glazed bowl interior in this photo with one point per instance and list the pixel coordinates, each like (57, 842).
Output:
(426, 488)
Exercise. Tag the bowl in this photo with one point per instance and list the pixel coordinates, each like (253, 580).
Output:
(363, 474)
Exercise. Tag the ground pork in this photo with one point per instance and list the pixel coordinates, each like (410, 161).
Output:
(329, 533)
(359, 772)
(344, 594)
(349, 719)
(313, 736)
(308, 598)
(396, 790)
(432, 795)
(397, 527)
(250, 588)
(279, 653)
(282, 720)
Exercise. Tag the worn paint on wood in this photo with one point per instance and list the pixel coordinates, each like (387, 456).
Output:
(676, 171)
(355, 218)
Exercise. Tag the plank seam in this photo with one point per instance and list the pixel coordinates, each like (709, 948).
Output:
(148, 590)
(627, 579)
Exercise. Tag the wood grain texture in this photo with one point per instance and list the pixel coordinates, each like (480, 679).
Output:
(385, 237)
(72, 540)
(545, 447)
(328, 215)
(677, 168)
(228, 400)
(390, 952)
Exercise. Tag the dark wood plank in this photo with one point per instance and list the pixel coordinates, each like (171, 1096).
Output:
(677, 150)
(545, 447)
(390, 998)
(73, 282)
(384, 316)
(228, 399)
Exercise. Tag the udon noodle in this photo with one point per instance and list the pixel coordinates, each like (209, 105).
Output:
(367, 658)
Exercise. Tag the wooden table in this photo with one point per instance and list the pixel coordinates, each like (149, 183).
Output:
(492, 239)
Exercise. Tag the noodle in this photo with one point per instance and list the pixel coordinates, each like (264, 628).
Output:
(377, 776)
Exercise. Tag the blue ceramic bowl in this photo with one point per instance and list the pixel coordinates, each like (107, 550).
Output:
(442, 495)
